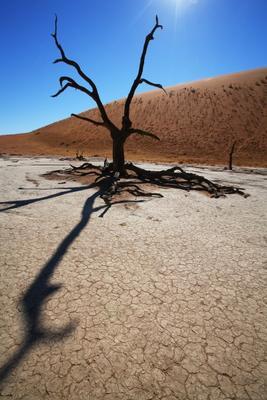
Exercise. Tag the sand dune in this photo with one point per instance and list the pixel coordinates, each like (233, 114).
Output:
(197, 122)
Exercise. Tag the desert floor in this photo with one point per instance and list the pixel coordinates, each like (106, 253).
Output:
(161, 299)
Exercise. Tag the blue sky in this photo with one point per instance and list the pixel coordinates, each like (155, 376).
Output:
(201, 38)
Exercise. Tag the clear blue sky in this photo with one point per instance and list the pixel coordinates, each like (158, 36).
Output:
(201, 38)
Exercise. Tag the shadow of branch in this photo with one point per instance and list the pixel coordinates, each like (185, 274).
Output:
(12, 204)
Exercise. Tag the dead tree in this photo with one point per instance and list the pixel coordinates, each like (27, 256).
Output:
(174, 177)
(230, 164)
(120, 134)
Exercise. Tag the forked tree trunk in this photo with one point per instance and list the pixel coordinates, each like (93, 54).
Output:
(118, 134)
(118, 155)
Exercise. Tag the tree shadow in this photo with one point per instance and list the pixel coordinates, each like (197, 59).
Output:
(31, 303)
(12, 204)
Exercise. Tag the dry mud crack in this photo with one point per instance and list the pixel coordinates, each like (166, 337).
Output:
(164, 299)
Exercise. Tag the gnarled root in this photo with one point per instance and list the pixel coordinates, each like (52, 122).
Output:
(134, 177)
(176, 177)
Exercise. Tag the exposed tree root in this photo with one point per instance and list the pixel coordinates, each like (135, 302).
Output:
(176, 177)
(134, 177)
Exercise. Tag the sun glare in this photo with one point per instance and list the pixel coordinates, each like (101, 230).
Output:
(182, 2)
(177, 7)
(179, 4)
(180, 7)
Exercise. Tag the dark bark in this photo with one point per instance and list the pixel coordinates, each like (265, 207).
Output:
(174, 177)
(118, 154)
(91, 92)
(126, 121)
(231, 156)
(97, 123)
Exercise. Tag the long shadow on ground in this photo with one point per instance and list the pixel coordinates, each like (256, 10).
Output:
(32, 301)
(12, 204)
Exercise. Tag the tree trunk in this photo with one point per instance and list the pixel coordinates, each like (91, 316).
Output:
(118, 155)
(230, 164)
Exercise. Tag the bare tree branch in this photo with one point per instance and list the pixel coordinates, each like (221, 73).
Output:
(126, 122)
(158, 85)
(74, 84)
(62, 89)
(71, 83)
(72, 63)
(94, 93)
(98, 123)
(143, 133)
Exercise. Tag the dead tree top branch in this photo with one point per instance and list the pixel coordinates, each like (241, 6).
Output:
(93, 93)
(126, 122)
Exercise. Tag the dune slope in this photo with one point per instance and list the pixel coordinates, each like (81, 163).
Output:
(197, 122)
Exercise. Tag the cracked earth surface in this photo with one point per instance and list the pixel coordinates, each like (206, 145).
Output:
(164, 299)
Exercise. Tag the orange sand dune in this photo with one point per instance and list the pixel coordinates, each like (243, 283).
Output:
(197, 123)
